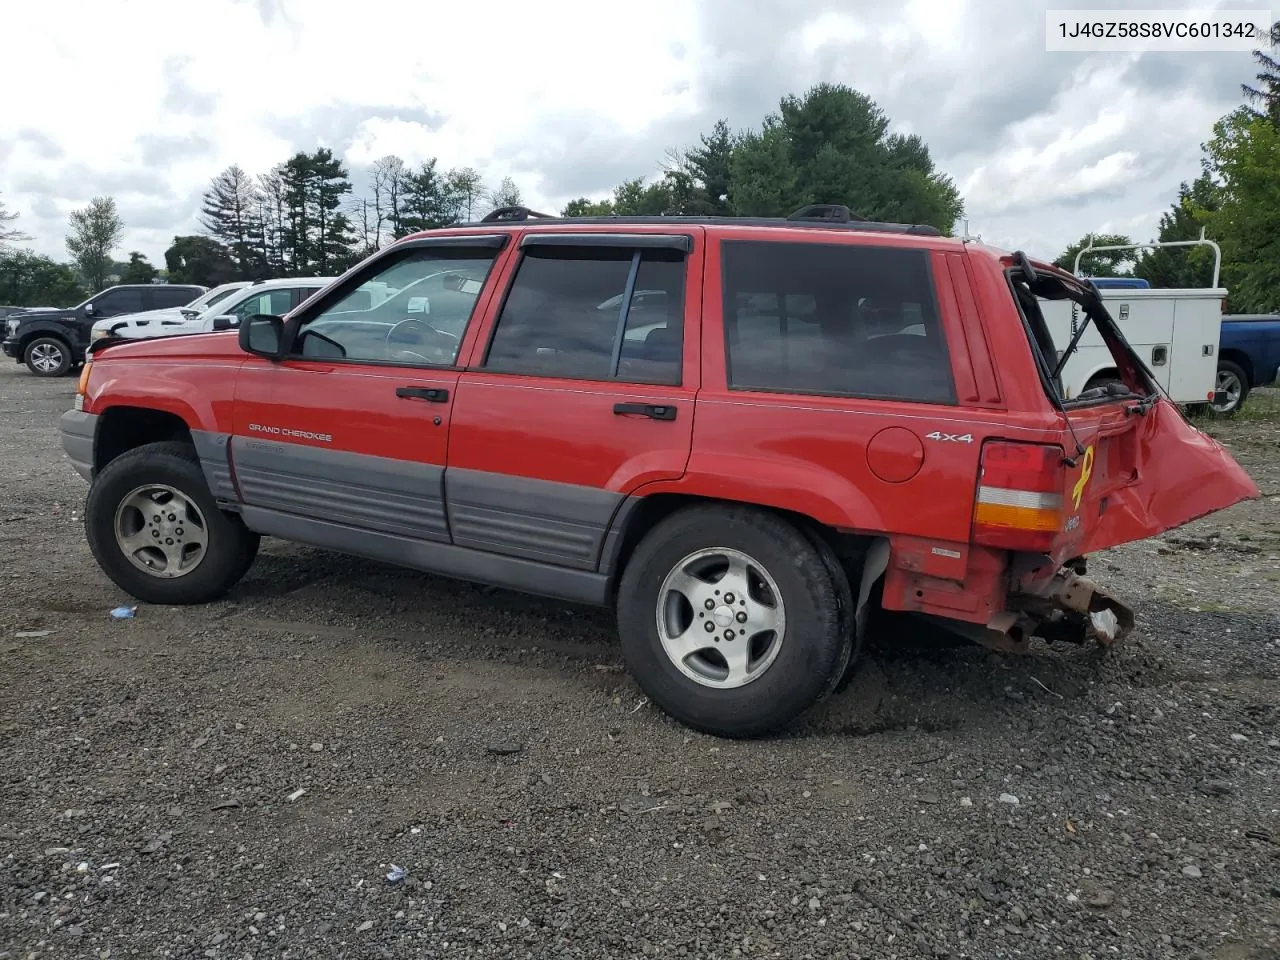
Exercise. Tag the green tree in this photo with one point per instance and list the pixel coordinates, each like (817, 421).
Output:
(465, 188)
(231, 210)
(635, 198)
(317, 234)
(699, 179)
(833, 146)
(1106, 263)
(1244, 158)
(30, 280)
(425, 201)
(202, 260)
(764, 182)
(138, 270)
(1267, 93)
(582, 207)
(1181, 267)
(505, 194)
(95, 231)
(8, 232)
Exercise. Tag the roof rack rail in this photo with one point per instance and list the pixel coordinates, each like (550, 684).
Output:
(506, 214)
(827, 211)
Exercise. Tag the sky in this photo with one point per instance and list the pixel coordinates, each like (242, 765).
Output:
(146, 100)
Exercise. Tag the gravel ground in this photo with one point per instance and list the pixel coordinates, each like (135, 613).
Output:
(237, 780)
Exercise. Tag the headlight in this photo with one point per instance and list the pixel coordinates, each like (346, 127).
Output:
(11, 327)
(98, 335)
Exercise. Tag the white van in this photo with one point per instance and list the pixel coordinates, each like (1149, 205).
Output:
(1174, 331)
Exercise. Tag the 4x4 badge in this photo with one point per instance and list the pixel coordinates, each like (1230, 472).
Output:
(954, 437)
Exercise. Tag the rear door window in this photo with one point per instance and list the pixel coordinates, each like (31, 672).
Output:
(164, 297)
(564, 315)
(833, 319)
(113, 303)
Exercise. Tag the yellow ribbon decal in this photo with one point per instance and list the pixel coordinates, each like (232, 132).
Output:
(1085, 473)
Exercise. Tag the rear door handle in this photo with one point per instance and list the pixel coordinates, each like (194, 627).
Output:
(429, 394)
(654, 411)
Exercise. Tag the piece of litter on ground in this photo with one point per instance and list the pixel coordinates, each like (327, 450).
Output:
(123, 613)
(32, 634)
(1009, 798)
(1046, 689)
(296, 795)
(397, 874)
(1105, 622)
(109, 866)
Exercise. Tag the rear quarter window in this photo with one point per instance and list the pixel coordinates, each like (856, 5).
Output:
(833, 319)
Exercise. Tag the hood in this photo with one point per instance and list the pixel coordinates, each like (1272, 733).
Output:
(144, 319)
(44, 313)
(203, 345)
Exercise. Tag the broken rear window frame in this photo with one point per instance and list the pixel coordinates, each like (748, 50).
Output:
(1129, 365)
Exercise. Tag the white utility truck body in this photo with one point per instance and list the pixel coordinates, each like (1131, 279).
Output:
(1174, 331)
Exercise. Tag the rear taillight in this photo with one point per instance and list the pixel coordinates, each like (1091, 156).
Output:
(1019, 504)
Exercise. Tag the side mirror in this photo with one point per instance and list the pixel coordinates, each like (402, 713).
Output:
(263, 335)
(226, 322)
(89, 310)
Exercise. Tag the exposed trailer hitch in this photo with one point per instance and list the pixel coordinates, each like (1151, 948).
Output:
(1069, 607)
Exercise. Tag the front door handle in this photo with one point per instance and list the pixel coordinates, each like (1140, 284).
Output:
(429, 394)
(654, 411)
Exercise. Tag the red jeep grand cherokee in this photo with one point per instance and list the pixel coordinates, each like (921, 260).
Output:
(733, 430)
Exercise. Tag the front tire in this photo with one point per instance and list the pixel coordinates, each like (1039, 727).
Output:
(47, 357)
(156, 531)
(732, 621)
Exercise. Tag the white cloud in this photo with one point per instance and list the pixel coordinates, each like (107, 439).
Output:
(147, 100)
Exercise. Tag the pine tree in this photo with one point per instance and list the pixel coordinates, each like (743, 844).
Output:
(1267, 92)
(230, 212)
(427, 203)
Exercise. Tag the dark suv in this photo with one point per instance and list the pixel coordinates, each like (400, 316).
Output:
(51, 342)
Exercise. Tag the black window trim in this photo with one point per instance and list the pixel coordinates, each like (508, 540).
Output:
(612, 241)
(641, 241)
(931, 280)
(360, 274)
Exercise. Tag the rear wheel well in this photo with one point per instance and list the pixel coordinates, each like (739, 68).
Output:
(849, 548)
(1109, 373)
(1241, 360)
(124, 428)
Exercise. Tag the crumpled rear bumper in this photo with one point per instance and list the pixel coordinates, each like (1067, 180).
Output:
(1066, 607)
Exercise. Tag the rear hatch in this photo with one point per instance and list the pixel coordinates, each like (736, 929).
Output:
(1133, 465)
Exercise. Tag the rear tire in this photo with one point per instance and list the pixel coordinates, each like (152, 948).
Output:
(207, 551)
(739, 677)
(48, 357)
(1232, 379)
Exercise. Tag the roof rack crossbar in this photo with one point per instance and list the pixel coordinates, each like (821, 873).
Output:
(514, 213)
(827, 211)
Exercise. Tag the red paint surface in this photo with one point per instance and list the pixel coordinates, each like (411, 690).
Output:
(845, 462)
(895, 455)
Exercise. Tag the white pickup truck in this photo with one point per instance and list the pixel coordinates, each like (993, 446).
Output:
(1174, 331)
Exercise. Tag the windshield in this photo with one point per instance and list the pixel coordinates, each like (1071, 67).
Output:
(1033, 283)
(209, 299)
